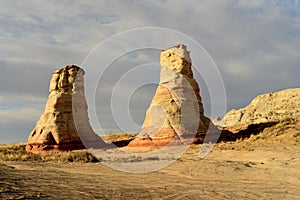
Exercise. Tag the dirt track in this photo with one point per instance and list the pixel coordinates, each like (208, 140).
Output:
(263, 173)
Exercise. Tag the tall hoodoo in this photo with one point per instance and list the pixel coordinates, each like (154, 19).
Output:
(56, 129)
(176, 110)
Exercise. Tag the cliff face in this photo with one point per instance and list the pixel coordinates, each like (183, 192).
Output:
(56, 129)
(176, 110)
(268, 108)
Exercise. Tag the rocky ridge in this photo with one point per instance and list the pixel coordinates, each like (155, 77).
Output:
(264, 111)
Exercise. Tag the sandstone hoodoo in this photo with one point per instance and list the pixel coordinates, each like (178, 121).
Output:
(176, 111)
(56, 129)
(265, 110)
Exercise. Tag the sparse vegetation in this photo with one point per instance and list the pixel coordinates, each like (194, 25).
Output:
(286, 132)
(296, 134)
(17, 152)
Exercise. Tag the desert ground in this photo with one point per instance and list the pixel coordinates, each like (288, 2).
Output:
(250, 169)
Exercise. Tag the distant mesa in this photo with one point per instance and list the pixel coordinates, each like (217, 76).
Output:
(176, 112)
(56, 129)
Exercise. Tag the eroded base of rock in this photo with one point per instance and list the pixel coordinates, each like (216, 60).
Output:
(45, 149)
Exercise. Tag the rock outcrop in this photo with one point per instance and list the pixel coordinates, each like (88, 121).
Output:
(56, 129)
(176, 111)
(119, 139)
(265, 110)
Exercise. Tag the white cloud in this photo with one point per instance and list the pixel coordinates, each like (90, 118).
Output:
(255, 43)
(16, 124)
(17, 115)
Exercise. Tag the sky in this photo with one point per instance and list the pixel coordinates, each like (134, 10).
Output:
(254, 43)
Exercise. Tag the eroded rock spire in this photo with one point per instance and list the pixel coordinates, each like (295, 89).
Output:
(176, 111)
(56, 129)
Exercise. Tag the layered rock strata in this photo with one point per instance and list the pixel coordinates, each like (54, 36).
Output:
(56, 129)
(265, 110)
(176, 111)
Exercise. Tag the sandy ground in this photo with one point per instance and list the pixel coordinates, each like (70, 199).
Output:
(269, 172)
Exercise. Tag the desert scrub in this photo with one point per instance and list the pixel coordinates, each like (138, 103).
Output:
(70, 156)
(17, 152)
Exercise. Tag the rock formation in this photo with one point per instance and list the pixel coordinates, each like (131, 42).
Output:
(265, 110)
(119, 139)
(176, 111)
(56, 129)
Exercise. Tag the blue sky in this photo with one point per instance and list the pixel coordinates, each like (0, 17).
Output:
(255, 44)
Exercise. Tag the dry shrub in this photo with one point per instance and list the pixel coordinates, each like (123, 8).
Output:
(17, 152)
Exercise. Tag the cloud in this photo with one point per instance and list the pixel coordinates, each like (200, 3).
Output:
(255, 44)
(23, 114)
(56, 23)
(16, 124)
